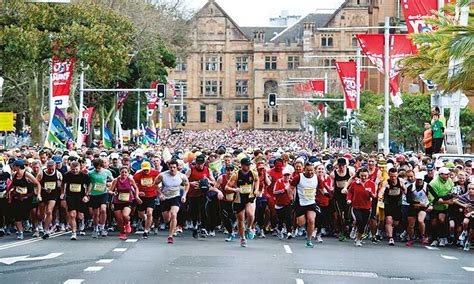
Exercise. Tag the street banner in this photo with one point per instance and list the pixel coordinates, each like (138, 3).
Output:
(400, 47)
(87, 115)
(58, 113)
(303, 89)
(122, 97)
(348, 75)
(61, 76)
(6, 121)
(108, 138)
(417, 11)
(152, 99)
(318, 87)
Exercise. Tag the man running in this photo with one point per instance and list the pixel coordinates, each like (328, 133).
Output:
(394, 189)
(50, 180)
(145, 181)
(341, 177)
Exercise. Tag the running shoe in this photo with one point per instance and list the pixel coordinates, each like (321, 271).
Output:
(309, 244)
(128, 228)
(82, 226)
(463, 235)
(204, 233)
(467, 246)
(342, 238)
(179, 230)
(424, 240)
(73, 236)
(443, 242)
(391, 242)
(243, 243)
(123, 236)
(45, 235)
(230, 237)
(410, 243)
(19, 236)
(212, 233)
(195, 233)
(289, 236)
(145, 235)
(36, 234)
(103, 234)
(318, 238)
(82, 233)
(162, 226)
(2, 232)
(170, 240)
(375, 240)
(95, 234)
(434, 243)
(280, 235)
(262, 234)
(358, 243)
(353, 234)
(460, 243)
(251, 234)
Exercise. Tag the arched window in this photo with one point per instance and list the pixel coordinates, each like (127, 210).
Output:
(330, 41)
(323, 41)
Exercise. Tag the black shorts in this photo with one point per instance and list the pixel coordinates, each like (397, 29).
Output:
(456, 215)
(48, 196)
(301, 210)
(76, 204)
(394, 211)
(373, 211)
(167, 203)
(244, 199)
(97, 200)
(120, 206)
(414, 210)
(147, 202)
(435, 213)
(20, 209)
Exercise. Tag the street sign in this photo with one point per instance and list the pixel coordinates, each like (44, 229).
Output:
(6, 121)
(12, 260)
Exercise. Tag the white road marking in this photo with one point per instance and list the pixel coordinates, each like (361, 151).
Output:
(431, 248)
(12, 260)
(74, 281)
(120, 250)
(449, 257)
(104, 261)
(287, 249)
(338, 273)
(25, 242)
(299, 281)
(469, 269)
(93, 269)
(131, 240)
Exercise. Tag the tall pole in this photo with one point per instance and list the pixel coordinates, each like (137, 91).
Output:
(160, 115)
(386, 137)
(326, 87)
(358, 65)
(182, 99)
(138, 110)
(81, 102)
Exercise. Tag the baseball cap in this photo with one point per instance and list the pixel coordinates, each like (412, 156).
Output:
(439, 164)
(114, 156)
(341, 161)
(444, 170)
(18, 163)
(329, 167)
(246, 161)
(260, 165)
(230, 168)
(429, 167)
(450, 165)
(146, 166)
(419, 175)
(200, 159)
(57, 159)
(286, 171)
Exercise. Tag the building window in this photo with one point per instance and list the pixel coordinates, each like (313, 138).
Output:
(288, 117)
(275, 115)
(242, 88)
(326, 62)
(333, 62)
(180, 64)
(323, 41)
(266, 115)
(330, 41)
(202, 114)
(219, 113)
(242, 64)
(242, 113)
(181, 84)
(211, 63)
(270, 62)
(327, 40)
(293, 62)
(211, 87)
(354, 41)
(177, 113)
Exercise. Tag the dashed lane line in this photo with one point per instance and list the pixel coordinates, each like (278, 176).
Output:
(119, 250)
(74, 281)
(287, 249)
(104, 261)
(131, 240)
(93, 269)
(299, 281)
(468, 269)
(449, 257)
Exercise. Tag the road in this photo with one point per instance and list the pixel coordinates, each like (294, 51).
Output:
(211, 260)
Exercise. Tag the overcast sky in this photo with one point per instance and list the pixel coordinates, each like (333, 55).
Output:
(258, 12)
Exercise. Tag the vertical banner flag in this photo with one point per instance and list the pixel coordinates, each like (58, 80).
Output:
(318, 87)
(152, 98)
(417, 11)
(400, 47)
(303, 89)
(87, 115)
(61, 78)
(348, 74)
(122, 96)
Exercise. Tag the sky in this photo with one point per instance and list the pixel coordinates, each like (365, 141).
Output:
(258, 12)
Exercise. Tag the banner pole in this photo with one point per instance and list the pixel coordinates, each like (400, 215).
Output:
(386, 86)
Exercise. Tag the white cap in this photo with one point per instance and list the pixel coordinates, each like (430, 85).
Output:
(286, 171)
(444, 170)
(419, 175)
(114, 156)
(439, 164)
(139, 152)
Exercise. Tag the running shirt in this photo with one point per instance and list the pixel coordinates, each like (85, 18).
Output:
(124, 191)
(99, 181)
(321, 199)
(4, 177)
(76, 185)
(393, 194)
(171, 185)
(145, 182)
(305, 189)
(196, 175)
(280, 193)
(340, 182)
(417, 195)
(374, 176)
(21, 188)
(51, 183)
(245, 181)
(361, 194)
(228, 195)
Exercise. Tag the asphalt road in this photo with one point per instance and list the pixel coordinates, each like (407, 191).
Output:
(211, 260)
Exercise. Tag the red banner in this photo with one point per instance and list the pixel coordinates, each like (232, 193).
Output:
(61, 79)
(303, 89)
(318, 87)
(417, 11)
(152, 99)
(87, 115)
(348, 74)
(400, 47)
(122, 97)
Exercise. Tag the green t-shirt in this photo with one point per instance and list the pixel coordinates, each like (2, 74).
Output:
(437, 129)
(99, 181)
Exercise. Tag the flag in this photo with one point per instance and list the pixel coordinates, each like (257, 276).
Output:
(87, 115)
(59, 126)
(321, 107)
(416, 12)
(61, 75)
(150, 135)
(122, 97)
(59, 113)
(318, 87)
(303, 89)
(107, 138)
(347, 72)
(53, 139)
(400, 47)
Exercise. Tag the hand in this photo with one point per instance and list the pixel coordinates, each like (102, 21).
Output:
(194, 183)
(39, 198)
(238, 190)
(61, 196)
(85, 199)
(220, 196)
(349, 202)
(162, 197)
(344, 191)
(430, 208)
(138, 200)
(441, 201)
(141, 193)
(183, 199)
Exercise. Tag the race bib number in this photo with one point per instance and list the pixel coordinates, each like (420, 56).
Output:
(100, 187)
(124, 196)
(309, 192)
(229, 196)
(174, 191)
(394, 191)
(50, 185)
(341, 183)
(74, 187)
(21, 190)
(146, 181)
(245, 189)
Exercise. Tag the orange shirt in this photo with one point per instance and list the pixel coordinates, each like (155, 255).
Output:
(427, 138)
(145, 182)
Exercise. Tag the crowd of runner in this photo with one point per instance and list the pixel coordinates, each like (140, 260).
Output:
(242, 185)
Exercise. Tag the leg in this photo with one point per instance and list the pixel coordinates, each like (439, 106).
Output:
(310, 220)
(411, 227)
(72, 220)
(119, 218)
(389, 226)
(49, 213)
(173, 217)
(421, 223)
(250, 210)
(149, 219)
(240, 223)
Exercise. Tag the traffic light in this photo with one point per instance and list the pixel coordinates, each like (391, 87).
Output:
(83, 125)
(272, 100)
(343, 132)
(161, 91)
(165, 104)
(349, 140)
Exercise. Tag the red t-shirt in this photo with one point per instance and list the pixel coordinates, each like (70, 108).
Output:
(196, 176)
(360, 194)
(145, 182)
(274, 177)
(280, 194)
(323, 182)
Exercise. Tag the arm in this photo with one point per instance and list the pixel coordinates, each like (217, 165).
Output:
(136, 189)
(31, 178)
(112, 187)
(350, 194)
(158, 180)
(230, 186)
(186, 189)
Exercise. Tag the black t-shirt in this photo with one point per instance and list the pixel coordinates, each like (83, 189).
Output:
(4, 176)
(76, 185)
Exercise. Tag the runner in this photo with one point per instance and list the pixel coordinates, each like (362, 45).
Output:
(171, 181)
(228, 216)
(50, 180)
(466, 201)
(341, 177)
(148, 193)
(125, 190)
(305, 186)
(283, 196)
(244, 184)
(73, 189)
(417, 197)
(4, 184)
(393, 191)
(323, 199)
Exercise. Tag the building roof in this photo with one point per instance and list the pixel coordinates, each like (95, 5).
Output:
(294, 33)
(269, 31)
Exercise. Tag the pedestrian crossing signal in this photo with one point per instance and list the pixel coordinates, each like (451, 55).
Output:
(161, 91)
(272, 100)
(343, 132)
